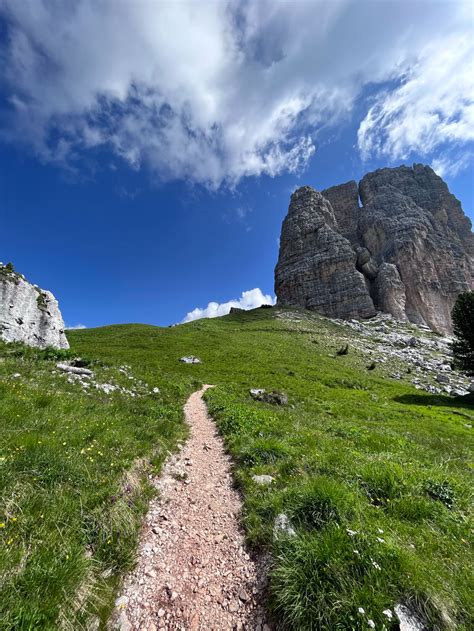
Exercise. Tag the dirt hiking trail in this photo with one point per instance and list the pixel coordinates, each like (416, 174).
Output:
(193, 571)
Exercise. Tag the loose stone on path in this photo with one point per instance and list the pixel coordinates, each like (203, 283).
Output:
(193, 571)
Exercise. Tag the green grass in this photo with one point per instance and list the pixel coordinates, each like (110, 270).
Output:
(73, 488)
(374, 475)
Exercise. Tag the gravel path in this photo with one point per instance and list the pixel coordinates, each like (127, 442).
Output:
(193, 571)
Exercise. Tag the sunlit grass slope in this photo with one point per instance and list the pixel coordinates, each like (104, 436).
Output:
(373, 475)
(73, 470)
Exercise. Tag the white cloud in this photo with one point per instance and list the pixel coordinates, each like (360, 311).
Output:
(450, 166)
(249, 300)
(76, 326)
(433, 105)
(216, 91)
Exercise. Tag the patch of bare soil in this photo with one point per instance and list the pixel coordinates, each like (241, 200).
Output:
(193, 571)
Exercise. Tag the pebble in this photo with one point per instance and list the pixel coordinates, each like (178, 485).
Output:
(234, 606)
(243, 595)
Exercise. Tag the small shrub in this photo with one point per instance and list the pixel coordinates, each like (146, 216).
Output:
(41, 301)
(54, 354)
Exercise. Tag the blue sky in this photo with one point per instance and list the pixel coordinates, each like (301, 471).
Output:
(148, 150)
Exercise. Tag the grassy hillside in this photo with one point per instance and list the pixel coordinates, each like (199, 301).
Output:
(373, 475)
(73, 466)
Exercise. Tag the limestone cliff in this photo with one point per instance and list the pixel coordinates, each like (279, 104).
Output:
(29, 314)
(316, 268)
(411, 243)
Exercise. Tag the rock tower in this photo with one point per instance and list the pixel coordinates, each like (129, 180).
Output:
(398, 242)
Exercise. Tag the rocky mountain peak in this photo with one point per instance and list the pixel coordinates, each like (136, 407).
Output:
(399, 242)
(316, 268)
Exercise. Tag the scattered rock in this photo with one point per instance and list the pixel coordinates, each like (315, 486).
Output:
(106, 387)
(123, 623)
(244, 597)
(75, 370)
(282, 527)
(274, 397)
(459, 393)
(440, 378)
(408, 620)
(190, 360)
(79, 362)
(425, 354)
(262, 480)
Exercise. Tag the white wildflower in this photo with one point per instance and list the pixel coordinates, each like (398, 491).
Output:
(380, 531)
(376, 565)
(361, 610)
(350, 532)
(388, 613)
(380, 540)
(371, 623)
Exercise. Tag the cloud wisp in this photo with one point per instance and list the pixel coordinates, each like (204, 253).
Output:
(250, 299)
(212, 92)
(432, 107)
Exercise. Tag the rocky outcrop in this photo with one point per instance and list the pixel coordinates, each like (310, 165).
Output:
(29, 314)
(317, 265)
(411, 244)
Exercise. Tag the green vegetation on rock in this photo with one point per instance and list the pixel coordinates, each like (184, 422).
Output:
(373, 476)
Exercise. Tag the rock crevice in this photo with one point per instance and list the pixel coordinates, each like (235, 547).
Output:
(407, 249)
